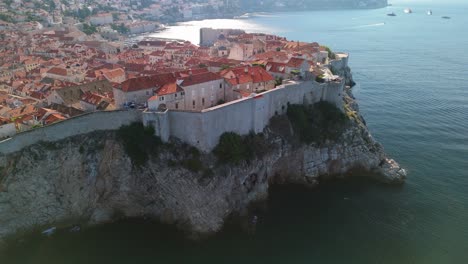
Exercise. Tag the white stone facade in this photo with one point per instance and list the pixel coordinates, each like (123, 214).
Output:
(205, 95)
(138, 97)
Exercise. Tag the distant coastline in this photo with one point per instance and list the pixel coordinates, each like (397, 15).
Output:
(267, 6)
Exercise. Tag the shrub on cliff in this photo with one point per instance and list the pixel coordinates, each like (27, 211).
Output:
(230, 148)
(317, 123)
(320, 78)
(331, 54)
(139, 142)
(233, 148)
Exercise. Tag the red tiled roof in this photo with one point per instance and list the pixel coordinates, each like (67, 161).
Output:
(295, 62)
(276, 67)
(278, 55)
(116, 73)
(92, 98)
(58, 71)
(200, 78)
(138, 84)
(247, 74)
(169, 88)
(53, 118)
(158, 53)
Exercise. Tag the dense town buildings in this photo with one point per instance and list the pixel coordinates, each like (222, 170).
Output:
(50, 73)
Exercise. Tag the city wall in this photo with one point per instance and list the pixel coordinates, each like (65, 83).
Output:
(74, 126)
(203, 129)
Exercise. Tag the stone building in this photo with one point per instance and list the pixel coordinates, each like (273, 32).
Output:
(101, 19)
(248, 79)
(135, 90)
(204, 90)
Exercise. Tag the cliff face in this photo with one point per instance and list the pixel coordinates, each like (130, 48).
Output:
(90, 178)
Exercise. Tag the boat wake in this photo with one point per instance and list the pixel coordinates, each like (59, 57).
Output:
(372, 25)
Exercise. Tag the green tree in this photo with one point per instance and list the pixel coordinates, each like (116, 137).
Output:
(89, 29)
(122, 29)
(331, 55)
(230, 148)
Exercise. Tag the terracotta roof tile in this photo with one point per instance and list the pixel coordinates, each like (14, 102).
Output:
(169, 88)
(58, 71)
(295, 62)
(200, 78)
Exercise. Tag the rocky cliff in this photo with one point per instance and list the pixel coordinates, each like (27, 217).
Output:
(92, 178)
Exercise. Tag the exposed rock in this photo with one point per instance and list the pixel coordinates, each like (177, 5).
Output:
(90, 179)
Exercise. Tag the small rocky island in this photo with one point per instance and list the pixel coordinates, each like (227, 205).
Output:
(193, 168)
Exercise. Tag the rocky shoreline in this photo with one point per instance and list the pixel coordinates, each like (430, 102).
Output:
(90, 179)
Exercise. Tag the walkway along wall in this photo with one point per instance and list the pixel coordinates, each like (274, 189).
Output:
(203, 129)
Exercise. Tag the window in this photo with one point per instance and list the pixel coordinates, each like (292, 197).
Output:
(193, 102)
(147, 92)
(175, 95)
(176, 106)
(203, 101)
(220, 85)
(182, 93)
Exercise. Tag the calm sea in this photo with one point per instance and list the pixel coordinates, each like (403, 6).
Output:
(412, 75)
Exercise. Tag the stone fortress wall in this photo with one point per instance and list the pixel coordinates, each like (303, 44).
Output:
(208, 36)
(78, 125)
(201, 129)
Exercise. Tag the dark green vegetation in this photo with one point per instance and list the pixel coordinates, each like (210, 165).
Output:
(6, 18)
(89, 29)
(233, 148)
(317, 123)
(331, 54)
(122, 29)
(278, 81)
(188, 157)
(311, 124)
(2, 169)
(139, 142)
(320, 79)
(48, 5)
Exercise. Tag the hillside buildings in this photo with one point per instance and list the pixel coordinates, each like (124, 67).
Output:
(51, 75)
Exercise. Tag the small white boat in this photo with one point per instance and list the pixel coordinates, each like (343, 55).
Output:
(429, 12)
(408, 11)
(49, 231)
(244, 16)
